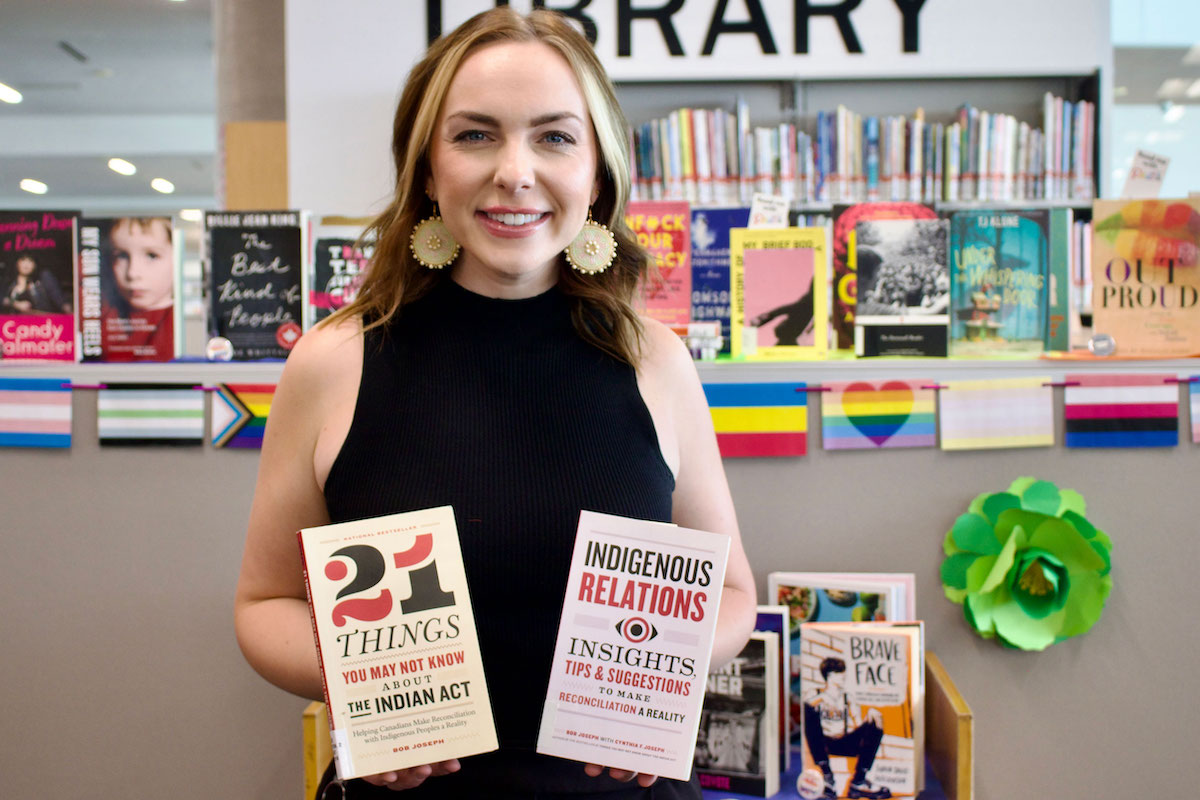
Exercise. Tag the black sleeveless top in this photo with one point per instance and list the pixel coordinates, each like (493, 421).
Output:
(499, 409)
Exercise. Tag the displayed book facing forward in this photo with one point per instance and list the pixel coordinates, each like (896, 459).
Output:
(400, 661)
(634, 641)
(779, 303)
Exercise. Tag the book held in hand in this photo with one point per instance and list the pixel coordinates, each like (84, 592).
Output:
(400, 661)
(634, 642)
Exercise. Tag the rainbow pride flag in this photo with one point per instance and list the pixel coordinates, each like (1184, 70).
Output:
(35, 412)
(759, 419)
(867, 415)
(1122, 411)
(239, 413)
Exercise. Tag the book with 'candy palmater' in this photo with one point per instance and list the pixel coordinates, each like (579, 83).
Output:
(400, 661)
(634, 643)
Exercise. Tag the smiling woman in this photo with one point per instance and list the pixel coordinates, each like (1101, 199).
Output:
(478, 368)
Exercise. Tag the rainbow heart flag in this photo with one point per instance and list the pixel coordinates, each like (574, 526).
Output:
(1122, 411)
(35, 412)
(1001, 412)
(239, 414)
(759, 419)
(868, 415)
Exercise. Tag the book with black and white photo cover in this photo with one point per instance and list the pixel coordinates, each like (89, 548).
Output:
(337, 266)
(737, 749)
(400, 661)
(634, 645)
(37, 285)
(903, 304)
(130, 289)
(256, 276)
(862, 689)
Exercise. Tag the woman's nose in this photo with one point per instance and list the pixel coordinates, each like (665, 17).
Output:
(514, 170)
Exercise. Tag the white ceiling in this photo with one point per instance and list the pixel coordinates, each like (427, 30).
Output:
(144, 90)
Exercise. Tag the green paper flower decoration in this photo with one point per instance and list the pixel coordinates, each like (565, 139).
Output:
(1027, 566)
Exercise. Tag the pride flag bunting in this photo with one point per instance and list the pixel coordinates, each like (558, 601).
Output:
(996, 413)
(150, 414)
(868, 415)
(1194, 403)
(759, 419)
(35, 412)
(239, 413)
(1122, 411)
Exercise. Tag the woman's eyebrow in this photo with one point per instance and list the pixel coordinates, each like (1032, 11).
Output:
(542, 119)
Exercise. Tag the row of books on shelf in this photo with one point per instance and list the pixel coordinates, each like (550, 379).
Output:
(876, 279)
(716, 157)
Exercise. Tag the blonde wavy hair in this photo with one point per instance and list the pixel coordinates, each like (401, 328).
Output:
(602, 305)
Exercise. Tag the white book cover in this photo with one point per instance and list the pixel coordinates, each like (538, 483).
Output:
(400, 661)
(634, 644)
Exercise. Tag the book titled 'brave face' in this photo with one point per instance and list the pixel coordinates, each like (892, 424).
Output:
(400, 661)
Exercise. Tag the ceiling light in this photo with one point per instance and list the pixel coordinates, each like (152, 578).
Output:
(122, 166)
(191, 214)
(1174, 113)
(1193, 55)
(1120, 91)
(1173, 87)
(33, 187)
(9, 94)
(1193, 91)
(162, 185)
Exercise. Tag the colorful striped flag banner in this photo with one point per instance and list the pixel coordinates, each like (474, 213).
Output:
(239, 413)
(1122, 411)
(869, 415)
(35, 412)
(146, 414)
(1194, 405)
(996, 413)
(759, 419)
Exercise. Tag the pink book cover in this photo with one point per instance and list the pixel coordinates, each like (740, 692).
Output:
(664, 228)
(37, 285)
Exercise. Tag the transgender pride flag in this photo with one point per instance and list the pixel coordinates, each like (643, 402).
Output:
(1194, 403)
(35, 412)
(1122, 411)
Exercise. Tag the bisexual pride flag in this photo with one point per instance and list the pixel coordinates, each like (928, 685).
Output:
(35, 412)
(239, 414)
(867, 415)
(1122, 411)
(759, 419)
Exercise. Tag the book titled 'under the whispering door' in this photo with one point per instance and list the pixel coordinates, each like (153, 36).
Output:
(400, 660)
(634, 640)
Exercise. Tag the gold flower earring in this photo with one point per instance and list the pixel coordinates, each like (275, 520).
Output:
(593, 249)
(431, 242)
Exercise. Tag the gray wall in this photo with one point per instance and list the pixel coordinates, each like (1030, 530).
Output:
(120, 670)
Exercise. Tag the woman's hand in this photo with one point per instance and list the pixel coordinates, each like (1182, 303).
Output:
(623, 775)
(413, 776)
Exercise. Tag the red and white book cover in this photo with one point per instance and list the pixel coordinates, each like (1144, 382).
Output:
(400, 661)
(634, 643)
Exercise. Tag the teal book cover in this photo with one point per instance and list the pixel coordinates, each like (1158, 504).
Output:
(999, 283)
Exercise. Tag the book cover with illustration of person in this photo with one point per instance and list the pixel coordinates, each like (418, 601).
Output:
(396, 638)
(37, 285)
(634, 644)
(999, 282)
(779, 309)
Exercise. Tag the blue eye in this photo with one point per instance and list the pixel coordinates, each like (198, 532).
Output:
(558, 137)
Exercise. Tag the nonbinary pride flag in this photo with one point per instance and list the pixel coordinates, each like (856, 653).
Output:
(759, 419)
(1122, 411)
(150, 414)
(35, 412)
(239, 413)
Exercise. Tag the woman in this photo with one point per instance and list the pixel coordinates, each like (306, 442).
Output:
(505, 383)
(31, 292)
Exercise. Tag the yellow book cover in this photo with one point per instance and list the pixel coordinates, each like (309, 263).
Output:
(779, 306)
(317, 748)
(1146, 276)
(400, 659)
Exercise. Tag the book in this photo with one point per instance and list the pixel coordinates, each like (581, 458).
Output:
(664, 229)
(37, 278)
(836, 597)
(400, 661)
(776, 619)
(863, 731)
(999, 282)
(779, 302)
(633, 646)
(1145, 274)
(903, 287)
(737, 747)
(316, 751)
(710, 265)
(130, 289)
(256, 277)
(339, 259)
(845, 267)
(1060, 308)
